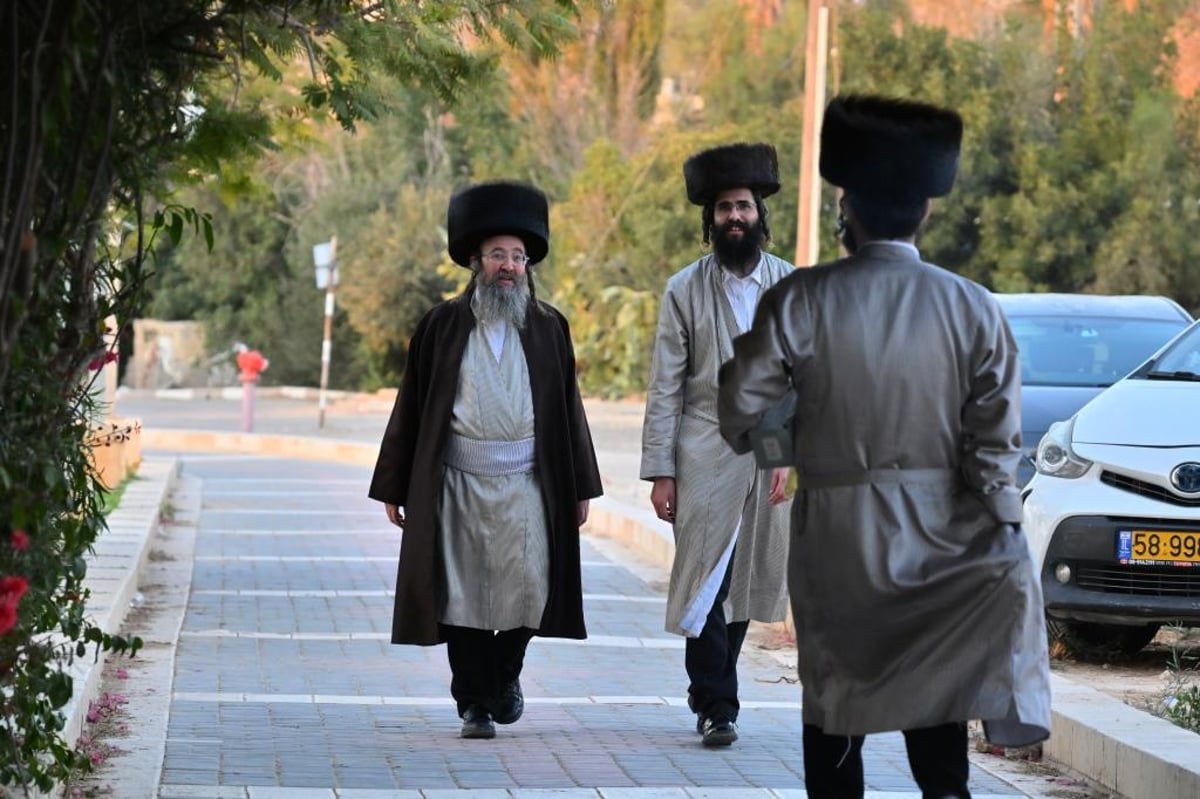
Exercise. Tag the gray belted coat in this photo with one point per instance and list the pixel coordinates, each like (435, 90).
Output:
(716, 488)
(913, 591)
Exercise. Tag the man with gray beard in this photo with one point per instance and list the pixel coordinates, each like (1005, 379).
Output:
(503, 296)
(487, 463)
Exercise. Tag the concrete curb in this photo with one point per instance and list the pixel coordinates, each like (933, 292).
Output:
(1138, 755)
(113, 571)
(235, 392)
(1100, 738)
(268, 445)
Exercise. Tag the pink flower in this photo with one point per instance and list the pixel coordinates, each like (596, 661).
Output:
(19, 540)
(100, 361)
(11, 589)
(122, 674)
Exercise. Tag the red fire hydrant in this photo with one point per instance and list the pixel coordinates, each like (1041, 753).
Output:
(251, 363)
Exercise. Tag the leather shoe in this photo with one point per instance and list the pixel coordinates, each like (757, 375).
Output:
(718, 732)
(477, 723)
(510, 704)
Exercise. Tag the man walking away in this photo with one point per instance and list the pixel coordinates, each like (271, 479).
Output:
(915, 599)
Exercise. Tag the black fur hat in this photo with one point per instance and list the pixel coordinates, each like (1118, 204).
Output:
(734, 166)
(496, 208)
(890, 149)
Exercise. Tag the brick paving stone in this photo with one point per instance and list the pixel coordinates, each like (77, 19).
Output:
(602, 717)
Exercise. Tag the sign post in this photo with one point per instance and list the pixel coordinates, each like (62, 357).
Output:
(325, 259)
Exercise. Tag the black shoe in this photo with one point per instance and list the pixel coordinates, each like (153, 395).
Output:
(699, 724)
(510, 704)
(477, 723)
(719, 732)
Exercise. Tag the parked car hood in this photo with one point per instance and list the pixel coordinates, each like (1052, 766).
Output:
(1142, 413)
(1042, 406)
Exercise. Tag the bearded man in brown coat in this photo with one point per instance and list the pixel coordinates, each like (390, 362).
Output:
(487, 463)
(913, 592)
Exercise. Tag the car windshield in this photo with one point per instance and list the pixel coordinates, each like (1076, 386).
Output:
(1086, 350)
(1182, 359)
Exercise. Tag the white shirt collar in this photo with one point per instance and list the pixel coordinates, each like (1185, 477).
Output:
(756, 274)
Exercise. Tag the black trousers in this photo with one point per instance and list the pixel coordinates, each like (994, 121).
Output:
(711, 660)
(482, 662)
(833, 767)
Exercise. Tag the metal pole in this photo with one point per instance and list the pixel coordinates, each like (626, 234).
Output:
(809, 214)
(327, 346)
(249, 388)
(327, 340)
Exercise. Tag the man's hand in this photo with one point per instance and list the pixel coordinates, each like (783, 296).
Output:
(778, 493)
(395, 514)
(662, 497)
(581, 512)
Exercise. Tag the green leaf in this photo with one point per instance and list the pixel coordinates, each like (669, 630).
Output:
(175, 231)
(58, 689)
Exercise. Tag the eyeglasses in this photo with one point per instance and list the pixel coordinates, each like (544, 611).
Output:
(741, 206)
(500, 257)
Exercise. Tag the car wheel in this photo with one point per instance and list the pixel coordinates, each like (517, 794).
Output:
(1088, 639)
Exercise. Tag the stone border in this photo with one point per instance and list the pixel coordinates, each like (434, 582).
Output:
(113, 570)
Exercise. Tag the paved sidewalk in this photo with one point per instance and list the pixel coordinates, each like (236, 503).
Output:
(286, 635)
(285, 684)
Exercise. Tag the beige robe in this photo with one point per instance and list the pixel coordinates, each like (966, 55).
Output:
(492, 531)
(913, 592)
(718, 492)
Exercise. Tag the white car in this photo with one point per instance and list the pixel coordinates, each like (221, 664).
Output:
(1113, 514)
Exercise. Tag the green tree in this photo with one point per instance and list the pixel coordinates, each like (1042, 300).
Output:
(1070, 187)
(107, 105)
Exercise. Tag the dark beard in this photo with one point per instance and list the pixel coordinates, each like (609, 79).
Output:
(738, 255)
(495, 302)
(846, 235)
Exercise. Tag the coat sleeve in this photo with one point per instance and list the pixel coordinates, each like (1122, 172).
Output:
(758, 375)
(991, 418)
(587, 472)
(393, 468)
(664, 396)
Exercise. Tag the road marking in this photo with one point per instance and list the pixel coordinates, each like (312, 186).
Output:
(339, 559)
(292, 559)
(617, 641)
(319, 594)
(383, 530)
(251, 698)
(283, 481)
(295, 512)
(697, 792)
(299, 492)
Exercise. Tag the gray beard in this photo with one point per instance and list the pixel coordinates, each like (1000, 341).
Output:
(494, 302)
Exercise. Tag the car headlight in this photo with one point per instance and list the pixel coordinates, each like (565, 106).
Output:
(1055, 456)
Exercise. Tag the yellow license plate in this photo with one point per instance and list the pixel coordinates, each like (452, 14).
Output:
(1158, 546)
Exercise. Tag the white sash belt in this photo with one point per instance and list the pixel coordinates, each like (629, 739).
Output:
(489, 458)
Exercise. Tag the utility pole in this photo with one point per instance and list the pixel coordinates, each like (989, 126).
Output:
(809, 216)
(325, 259)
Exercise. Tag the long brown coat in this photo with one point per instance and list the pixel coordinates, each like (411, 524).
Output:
(913, 592)
(409, 470)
